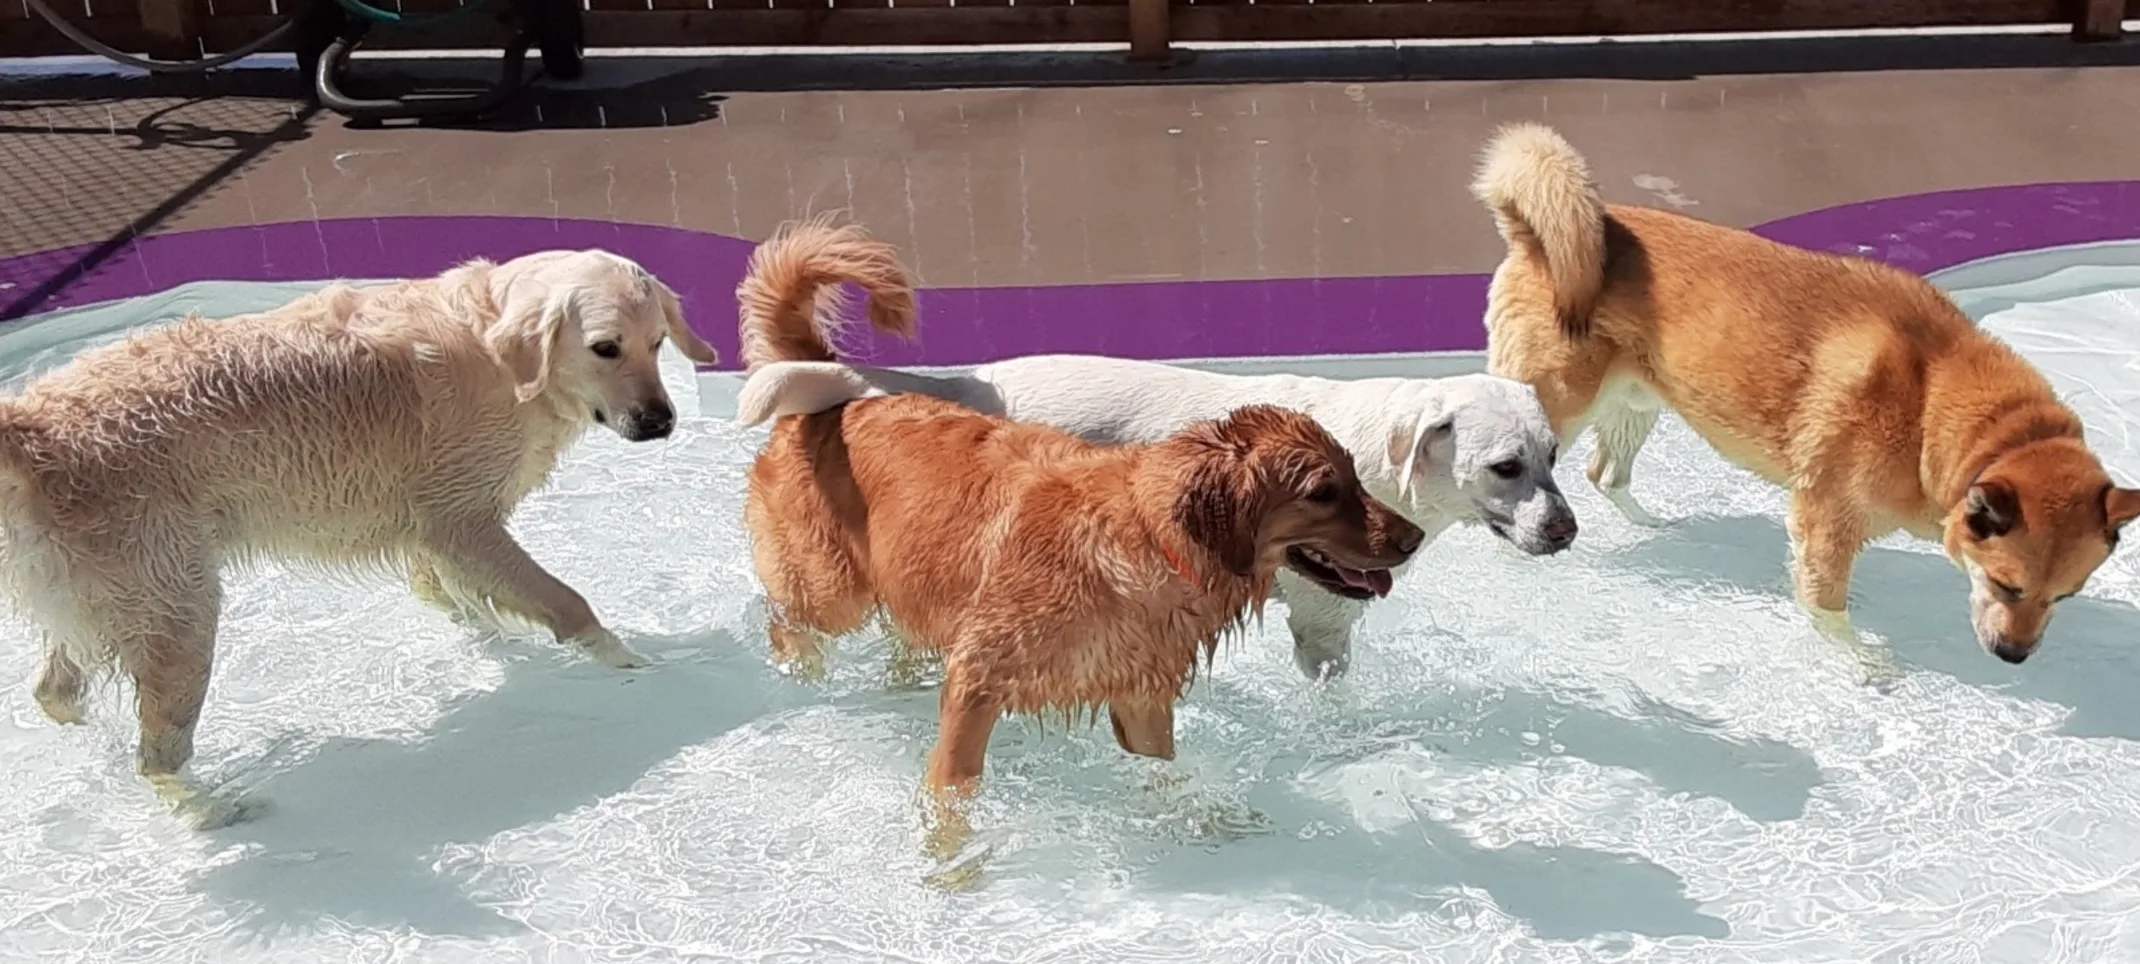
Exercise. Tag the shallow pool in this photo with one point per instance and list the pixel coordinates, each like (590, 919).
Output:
(1632, 751)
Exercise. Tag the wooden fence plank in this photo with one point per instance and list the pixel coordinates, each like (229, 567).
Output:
(2099, 20)
(173, 28)
(1148, 30)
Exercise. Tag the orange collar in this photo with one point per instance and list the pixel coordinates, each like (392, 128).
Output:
(1187, 574)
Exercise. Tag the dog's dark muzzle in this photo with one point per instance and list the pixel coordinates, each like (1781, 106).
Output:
(1559, 532)
(649, 423)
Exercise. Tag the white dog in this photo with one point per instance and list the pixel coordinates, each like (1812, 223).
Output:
(393, 427)
(1442, 451)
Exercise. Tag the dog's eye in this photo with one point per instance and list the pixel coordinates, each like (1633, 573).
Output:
(2003, 589)
(606, 349)
(1323, 494)
(1506, 468)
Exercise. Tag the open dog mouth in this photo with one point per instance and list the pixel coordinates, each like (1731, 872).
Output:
(1340, 579)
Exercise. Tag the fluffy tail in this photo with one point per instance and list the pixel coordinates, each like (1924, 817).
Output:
(1543, 200)
(783, 388)
(789, 301)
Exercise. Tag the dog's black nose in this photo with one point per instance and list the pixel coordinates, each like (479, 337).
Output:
(1559, 530)
(1407, 539)
(654, 421)
(2011, 652)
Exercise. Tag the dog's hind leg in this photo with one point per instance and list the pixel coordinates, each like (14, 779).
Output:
(61, 684)
(814, 592)
(910, 663)
(481, 557)
(429, 587)
(1579, 388)
(170, 655)
(1321, 623)
(1624, 420)
(967, 716)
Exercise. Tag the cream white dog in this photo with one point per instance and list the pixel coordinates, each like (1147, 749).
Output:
(1470, 449)
(388, 428)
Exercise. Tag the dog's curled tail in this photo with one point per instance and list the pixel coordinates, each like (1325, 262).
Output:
(782, 388)
(789, 300)
(1544, 201)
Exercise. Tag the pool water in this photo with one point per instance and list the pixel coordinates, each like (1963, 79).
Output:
(1633, 751)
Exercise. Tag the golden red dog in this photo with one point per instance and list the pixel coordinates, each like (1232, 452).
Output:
(1050, 573)
(1858, 386)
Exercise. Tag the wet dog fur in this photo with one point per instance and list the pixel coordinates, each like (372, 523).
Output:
(1466, 450)
(1857, 386)
(1052, 574)
(383, 428)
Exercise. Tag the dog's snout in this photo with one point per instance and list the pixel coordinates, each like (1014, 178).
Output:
(654, 421)
(2012, 652)
(1560, 531)
(1405, 536)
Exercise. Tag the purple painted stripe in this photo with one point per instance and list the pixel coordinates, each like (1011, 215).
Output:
(1932, 232)
(1924, 232)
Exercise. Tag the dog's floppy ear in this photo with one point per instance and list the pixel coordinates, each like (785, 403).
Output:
(524, 338)
(1407, 442)
(1991, 509)
(1217, 508)
(1220, 506)
(672, 311)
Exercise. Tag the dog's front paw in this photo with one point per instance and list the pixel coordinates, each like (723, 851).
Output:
(1876, 669)
(807, 668)
(606, 649)
(1833, 624)
(1871, 665)
(203, 810)
(958, 864)
(1321, 666)
(63, 710)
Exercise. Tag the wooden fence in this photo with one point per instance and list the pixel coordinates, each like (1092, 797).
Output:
(193, 28)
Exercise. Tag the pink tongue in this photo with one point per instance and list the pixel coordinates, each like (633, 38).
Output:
(1375, 581)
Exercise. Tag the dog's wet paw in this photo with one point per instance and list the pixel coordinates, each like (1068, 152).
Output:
(1876, 669)
(1195, 814)
(1321, 667)
(801, 669)
(1834, 625)
(608, 651)
(1232, 821)
(203, 810)
(949, 842)
(962, 873)
(65, 712)
(1869, 664)
(909, 671)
